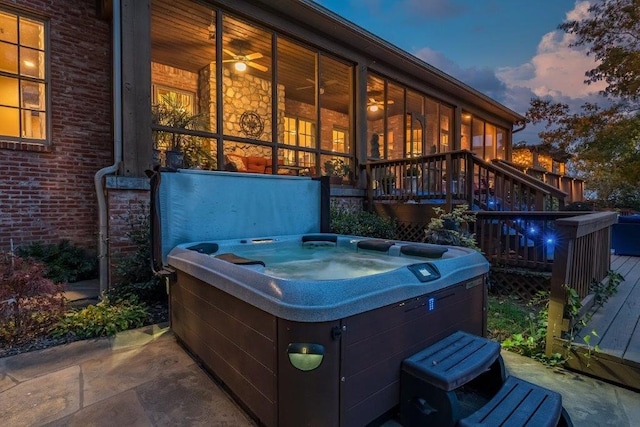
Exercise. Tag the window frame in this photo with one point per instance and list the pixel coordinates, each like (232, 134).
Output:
(20, 77)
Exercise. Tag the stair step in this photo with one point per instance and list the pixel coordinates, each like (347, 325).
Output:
(453, 361)
(518, 403)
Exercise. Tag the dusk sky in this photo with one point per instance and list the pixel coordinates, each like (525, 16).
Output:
(510, 50)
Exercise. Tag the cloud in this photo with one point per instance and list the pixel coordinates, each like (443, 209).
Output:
(481, 79)
(557, 70)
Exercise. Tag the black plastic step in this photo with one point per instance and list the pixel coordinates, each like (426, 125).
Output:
(453, 361)
(518, 404)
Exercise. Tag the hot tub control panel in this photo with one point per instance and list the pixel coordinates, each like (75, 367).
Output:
(425, 272)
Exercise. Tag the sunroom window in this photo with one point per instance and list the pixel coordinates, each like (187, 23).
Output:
(23, 81)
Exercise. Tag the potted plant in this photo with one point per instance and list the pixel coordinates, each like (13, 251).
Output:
(411, 179)
(337, 170)
(180, 150)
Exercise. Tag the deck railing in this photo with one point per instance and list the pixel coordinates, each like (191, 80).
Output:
(519, 239)
(582, 257)
(459, 176)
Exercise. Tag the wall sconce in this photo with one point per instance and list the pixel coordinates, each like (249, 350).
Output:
(305, 356)
(240, 66)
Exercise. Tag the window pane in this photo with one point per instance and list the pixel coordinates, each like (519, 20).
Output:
(490, 142)
(465, 132)
(395, 120)
(33, 95)
(9, 92)
(415, 114)
(501, 137)
(9, 25)
(8, 58)
(247, 81)
(432, 126)
(34, 124)
(375, 119)
(335, 101)
(296, 79)
(290, 131)
(31, 63)
(477, 139)
(31, 33)
(446, 114)
(9, 121)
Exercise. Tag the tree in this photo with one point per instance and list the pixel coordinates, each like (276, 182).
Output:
(604, 142)
(612, 35)
(604, 145)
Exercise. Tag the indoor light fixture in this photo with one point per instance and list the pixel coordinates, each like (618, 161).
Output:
(373, 108)
(240, 66)
(28, 63)
(305, 356)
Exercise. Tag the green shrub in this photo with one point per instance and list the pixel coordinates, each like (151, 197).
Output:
(451, 228)
(30, 304)
(133, 270)
(352, 221)
(102, 319)
(64, 262)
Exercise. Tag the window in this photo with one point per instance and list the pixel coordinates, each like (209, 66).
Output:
(340, 141)
(300, 133)
(23, 78)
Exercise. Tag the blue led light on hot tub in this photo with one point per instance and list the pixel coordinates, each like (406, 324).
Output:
(431, 304)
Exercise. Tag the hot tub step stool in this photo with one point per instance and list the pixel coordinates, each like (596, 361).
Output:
(434, 380)
(461, 381)
(520, 403)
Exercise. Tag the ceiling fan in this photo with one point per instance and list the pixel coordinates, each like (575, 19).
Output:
(242, 61)
(323, 85)
(373, 105)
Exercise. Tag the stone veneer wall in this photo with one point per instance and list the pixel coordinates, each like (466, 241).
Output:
(241, 92)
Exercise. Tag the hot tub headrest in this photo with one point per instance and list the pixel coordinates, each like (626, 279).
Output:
(205, 248)
(320, 238)
(375, 245)
(423, 251)
(235, 259)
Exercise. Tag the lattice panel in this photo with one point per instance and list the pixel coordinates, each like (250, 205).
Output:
(518, 283)
(410, 232)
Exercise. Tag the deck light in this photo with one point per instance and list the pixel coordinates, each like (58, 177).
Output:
(305, 356)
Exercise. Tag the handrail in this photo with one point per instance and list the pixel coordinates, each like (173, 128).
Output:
(460, 177)
(582, 258)
(550, 188)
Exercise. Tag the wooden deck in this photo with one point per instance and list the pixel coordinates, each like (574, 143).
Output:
(617, 325)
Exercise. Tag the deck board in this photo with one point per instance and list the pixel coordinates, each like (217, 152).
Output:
(617, 323)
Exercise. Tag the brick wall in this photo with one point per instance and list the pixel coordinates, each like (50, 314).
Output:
(47, 194)
(126, 209)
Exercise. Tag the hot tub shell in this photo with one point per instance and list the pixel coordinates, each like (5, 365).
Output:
(239, 323)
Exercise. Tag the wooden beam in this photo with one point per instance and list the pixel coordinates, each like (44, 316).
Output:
(136, 87)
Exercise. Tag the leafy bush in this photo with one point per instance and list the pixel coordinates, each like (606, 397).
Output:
(30, 304)
(135, 276)
(350, 220)
(64, 262)
(102, 319)
(451, 228)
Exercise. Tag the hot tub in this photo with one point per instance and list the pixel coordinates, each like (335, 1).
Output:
(305, 349)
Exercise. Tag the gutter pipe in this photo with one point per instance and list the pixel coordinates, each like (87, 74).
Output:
(103, 247)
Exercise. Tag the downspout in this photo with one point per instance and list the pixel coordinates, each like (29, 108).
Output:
(103, 247)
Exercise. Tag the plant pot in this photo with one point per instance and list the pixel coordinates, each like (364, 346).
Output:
(335, 180)
(175, 159)
(156, 160)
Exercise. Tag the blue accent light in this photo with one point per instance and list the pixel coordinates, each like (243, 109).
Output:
(431, 304)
